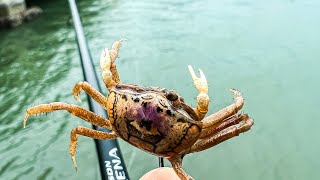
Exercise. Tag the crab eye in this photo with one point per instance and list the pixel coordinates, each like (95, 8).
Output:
(171, 96)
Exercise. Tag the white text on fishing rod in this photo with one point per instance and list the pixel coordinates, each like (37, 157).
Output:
(118, 174)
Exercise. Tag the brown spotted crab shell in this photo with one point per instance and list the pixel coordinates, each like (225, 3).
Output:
(153, 119)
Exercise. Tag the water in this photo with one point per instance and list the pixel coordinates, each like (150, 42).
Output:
(267, 50)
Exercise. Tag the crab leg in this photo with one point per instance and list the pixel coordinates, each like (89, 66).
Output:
(177, 167)
(230, 121)
(73, 109)
(223, 135)
(96, 95)
(203, 99)
(89, 133)
(110, 73)
(224, 113)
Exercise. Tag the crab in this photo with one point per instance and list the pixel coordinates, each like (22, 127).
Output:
(154, 119)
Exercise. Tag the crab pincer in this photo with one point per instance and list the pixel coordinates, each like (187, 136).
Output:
(202, 86)
(199, 82)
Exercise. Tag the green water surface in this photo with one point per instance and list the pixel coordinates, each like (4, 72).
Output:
(269, 50)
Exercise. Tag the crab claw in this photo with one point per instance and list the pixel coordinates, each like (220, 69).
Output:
(105, 65)
(199, 82)
(105, 60)
(115, 49)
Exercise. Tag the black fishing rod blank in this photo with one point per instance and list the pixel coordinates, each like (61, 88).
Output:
(111, 162)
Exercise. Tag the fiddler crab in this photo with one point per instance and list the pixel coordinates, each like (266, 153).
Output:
(154, 119)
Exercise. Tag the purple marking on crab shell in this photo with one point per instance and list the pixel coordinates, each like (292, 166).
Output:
(149, 113)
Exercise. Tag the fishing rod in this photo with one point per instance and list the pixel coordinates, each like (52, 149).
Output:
(111, 162)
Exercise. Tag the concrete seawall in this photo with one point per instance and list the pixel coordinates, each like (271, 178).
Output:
(15, 12)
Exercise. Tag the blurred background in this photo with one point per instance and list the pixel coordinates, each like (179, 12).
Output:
(269, 50)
